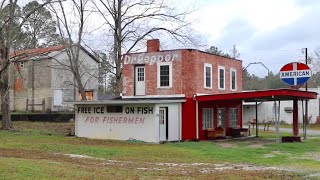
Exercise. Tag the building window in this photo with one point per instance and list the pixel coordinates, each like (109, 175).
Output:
(89, 95)
(140, 74)
(221, 78)
(114, 109)
(233, 117)
(164, 75)
(233, 79)
(207, 76)
(207, 118)
(21, 64)
(161, 116)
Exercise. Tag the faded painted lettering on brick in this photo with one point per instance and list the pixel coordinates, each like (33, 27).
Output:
(152, 58)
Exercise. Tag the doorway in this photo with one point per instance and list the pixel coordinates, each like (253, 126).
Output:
(221, 119)
(163, 123)
(140, 80)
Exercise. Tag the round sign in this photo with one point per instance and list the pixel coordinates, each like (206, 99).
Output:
(295, 73)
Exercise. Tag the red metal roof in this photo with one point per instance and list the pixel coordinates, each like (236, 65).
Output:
(264, 95)
(41, 53)
(24, 54)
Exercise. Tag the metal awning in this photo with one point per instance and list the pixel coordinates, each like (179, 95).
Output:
(260, 96)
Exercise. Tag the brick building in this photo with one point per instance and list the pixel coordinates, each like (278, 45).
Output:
(160, 86)
(173, 95)
(184, 72)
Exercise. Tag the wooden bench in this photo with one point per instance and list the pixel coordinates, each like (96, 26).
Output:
(213, 133)
(236, 132)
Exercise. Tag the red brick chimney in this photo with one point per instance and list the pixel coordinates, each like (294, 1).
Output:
(153, 45)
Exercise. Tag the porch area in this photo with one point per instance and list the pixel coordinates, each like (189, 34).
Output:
(224, 111)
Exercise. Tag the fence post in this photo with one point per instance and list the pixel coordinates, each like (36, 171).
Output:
(27, 103)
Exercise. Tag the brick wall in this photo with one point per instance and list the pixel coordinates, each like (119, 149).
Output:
(187, 73)
(193, 71)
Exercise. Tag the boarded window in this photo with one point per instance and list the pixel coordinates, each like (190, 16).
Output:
(114, 109)
(57, 97)
(89, 95)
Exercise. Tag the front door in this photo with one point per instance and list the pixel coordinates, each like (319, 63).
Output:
(221, 113)
(163, 124)
(140, 83)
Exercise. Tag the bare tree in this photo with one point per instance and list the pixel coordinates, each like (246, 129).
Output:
(235, 52)
(71, 25)
(315, 60)
(8, 34)
(131, 22)
(5, 44)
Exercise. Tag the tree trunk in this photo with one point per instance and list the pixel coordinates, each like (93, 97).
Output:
(5, 100)
(118, 50)
(80, 86)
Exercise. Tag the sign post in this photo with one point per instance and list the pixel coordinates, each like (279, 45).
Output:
(296, 74)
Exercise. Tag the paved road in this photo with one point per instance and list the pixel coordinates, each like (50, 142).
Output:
(289, 130)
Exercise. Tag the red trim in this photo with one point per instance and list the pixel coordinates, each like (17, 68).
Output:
(227, 125)
(266, 95)
(189, 119)
(295, 118)
(240, 116)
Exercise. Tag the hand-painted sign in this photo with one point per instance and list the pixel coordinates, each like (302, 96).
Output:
(295, 73)
(152, 58)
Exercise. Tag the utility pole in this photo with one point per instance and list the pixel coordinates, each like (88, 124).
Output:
(306, 110)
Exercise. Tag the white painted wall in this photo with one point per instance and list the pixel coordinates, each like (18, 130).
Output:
(174, 120)
(266, 110)
(98, 126)
(103, 128)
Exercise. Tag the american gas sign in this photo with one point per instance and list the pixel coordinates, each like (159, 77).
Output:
(295, 73)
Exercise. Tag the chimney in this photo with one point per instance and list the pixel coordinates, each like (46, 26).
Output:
(153, 45)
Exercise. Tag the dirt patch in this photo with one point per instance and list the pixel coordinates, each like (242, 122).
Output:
(274, 153)
(164, 169)
(227, 145)
(257, 145)
(202, 167)
(310, 155)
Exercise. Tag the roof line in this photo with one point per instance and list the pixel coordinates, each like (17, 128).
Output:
(191, 49)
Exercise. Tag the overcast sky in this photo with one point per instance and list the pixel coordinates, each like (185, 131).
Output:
(272, 32)
(269, 31)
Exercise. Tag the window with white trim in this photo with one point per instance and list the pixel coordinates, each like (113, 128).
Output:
(233, 117)
(207, 74)
(164, 75)
(207, 118)
(233, 79)
(221, 78)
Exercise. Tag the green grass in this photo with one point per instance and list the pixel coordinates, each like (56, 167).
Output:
(33, 139)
